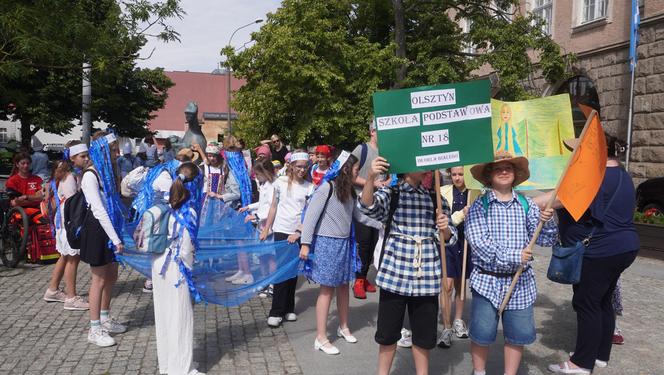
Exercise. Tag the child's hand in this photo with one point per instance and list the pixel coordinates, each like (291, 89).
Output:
(526, 255)
(442, 220)
(119, 248)
(378, 166)
(546, 214)
(243, 209)
(249, 218)
(264, 233)
(294, 237)
(304, 252)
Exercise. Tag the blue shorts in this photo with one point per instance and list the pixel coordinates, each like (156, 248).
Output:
(518, 325)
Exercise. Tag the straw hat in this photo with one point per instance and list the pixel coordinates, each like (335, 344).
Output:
(187, 153)
(482, 172)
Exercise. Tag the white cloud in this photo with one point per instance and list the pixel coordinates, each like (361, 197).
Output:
(204, 30)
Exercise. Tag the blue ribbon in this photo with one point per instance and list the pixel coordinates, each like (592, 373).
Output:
(58, 217)
(146, 196)
(237, 165)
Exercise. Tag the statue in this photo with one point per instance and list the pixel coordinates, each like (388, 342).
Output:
(193, 134)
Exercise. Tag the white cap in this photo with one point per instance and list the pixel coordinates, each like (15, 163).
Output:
(77, 149)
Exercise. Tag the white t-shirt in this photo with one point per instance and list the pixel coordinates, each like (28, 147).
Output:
(291, 204)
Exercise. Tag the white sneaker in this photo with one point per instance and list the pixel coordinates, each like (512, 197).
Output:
(291, 317)
(598, 363)
(245, 278)
(445, 339)
(236, 275)
(100, 337)
(326, 347)
(274, 321)
(460, 329)
(406, 340)
(76, 304)
(113, 326)
(147, 286)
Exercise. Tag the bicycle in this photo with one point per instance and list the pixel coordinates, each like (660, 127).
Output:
(14, 232)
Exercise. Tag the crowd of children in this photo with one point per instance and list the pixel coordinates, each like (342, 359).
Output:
(346, 212)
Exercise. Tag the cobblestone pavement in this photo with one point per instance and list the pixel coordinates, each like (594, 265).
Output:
(41, 338)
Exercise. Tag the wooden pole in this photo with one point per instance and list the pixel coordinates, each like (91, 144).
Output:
(541, 223)
(463, 270)
(443, 258)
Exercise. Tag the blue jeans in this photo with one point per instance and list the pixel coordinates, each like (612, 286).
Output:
(518, 325)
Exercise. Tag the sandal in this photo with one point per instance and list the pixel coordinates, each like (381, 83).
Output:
(563, 368)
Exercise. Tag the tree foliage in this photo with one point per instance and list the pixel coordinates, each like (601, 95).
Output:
(315, 63)
(44, 43)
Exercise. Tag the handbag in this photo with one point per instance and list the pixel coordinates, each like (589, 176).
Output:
(566, 262)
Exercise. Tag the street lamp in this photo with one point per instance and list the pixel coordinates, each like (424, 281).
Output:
(230, 123)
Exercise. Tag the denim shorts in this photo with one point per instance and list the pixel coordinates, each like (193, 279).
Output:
(518, 325)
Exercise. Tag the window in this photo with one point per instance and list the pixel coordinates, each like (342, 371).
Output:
(593, 10)
(466, 25)
(581, 91)
(3, 135)
(543, 9)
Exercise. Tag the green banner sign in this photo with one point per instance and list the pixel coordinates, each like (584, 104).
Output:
(433, 127)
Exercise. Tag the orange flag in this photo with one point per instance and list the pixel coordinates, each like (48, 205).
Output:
(585, 170)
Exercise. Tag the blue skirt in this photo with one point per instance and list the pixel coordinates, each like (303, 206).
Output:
(332, 264)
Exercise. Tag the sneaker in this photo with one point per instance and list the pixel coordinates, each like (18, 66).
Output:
(147, 286)
(358, 289)
(76, 304)
(460, 329)
(598, 363)
(274, 321)
(54, 296)
(369, 287)
(234, 276)
(291, 317)
(445, 339)
(245, 278)
(113, 326)
(618, 338)
(263, 293)
(100, 337)
(406, 341)
(270, 290)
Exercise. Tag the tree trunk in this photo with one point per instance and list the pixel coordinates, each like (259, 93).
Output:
(26, 132)
(400, 40)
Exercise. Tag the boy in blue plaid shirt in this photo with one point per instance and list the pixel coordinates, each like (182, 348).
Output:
(409, 273)
(499, 227)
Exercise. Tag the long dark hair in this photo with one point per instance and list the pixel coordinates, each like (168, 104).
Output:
(344, 181)
(179, 193)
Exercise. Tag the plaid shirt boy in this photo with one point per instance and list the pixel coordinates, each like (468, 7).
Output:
(413, 233)
(497, 239)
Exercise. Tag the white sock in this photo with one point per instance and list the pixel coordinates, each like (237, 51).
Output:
(475, 372)
(94, 323)
(104, 314)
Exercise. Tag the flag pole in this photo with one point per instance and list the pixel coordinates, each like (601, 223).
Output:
(443, 258)
(549, 204)
(463, 270)
(629, 121)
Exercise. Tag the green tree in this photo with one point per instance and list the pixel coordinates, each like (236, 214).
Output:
(312, 56)
(44, 43)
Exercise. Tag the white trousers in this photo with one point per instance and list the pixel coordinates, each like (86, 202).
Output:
(173, 319)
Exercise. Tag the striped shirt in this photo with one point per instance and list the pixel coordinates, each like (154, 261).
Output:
(413, 234)
(497, 239)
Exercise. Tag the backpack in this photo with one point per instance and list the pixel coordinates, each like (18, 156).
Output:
(363, 154)
(151, 234)
(133, 182)
(74, 214)
(522, 200)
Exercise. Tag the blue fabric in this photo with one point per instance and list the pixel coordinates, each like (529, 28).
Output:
(634, 34)
(518, 325)
(238, 167)
(146, 196)
(219, 244)
(615, 232)
(333, 262)
(39, 165)
(497, 239)
(100, 155)
(56, 198)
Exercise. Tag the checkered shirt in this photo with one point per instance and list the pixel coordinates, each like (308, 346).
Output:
(497, 241)
(414, 216)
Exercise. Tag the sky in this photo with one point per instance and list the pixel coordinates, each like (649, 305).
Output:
(204, 30)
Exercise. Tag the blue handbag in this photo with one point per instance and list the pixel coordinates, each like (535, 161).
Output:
(566, 262)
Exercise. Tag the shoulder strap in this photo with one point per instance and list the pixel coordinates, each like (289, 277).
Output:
(394, 203)
(522, 201)
(363, 154)
(327, 200)
(96, 175)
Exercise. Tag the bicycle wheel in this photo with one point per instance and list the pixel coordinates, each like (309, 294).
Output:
(14, 237)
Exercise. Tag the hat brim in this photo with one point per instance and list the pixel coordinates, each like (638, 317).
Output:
(521, 171)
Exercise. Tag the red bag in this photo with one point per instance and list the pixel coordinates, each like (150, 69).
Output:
(41, 245)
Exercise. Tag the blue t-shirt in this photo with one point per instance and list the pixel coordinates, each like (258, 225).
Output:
(615, 233)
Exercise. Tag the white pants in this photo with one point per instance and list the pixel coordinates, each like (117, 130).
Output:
(173, 319)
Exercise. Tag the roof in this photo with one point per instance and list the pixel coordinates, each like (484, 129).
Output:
(210, 91)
